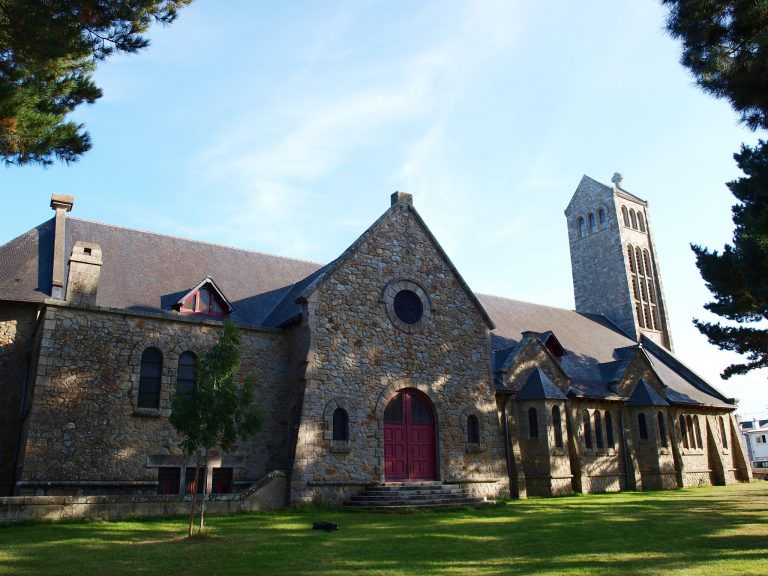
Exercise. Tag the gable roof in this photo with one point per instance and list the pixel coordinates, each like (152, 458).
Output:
(26, 265)
(587, 184)
(146, 271)
(645, 395)
(207, 281)
(328, 270)
(538, 386)
(598, 352)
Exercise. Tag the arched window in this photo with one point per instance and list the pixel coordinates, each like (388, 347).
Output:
(722, 433)
(533, 423)
(691, 436)
(557, 427)
(639, 312)
(609, 429)
(642, 427)
(582, 227)
(592, 223)
(473, 429)
(662, 430)
(185, 375)
(683, 430)
(600, 216)
(639, 259)
(631, 258)
(340, 425)
(625, 216)
(587, 430)
(641, 222)
(633, 218)
(598, 430)
(647, 260)
(150, 378)
(697, 429)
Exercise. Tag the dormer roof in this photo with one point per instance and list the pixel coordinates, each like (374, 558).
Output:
(539, 386)
(210, 284)
(645, 395)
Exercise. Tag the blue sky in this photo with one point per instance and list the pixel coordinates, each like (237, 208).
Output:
(284, 126)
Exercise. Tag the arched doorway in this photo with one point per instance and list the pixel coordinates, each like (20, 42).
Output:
(409, 437)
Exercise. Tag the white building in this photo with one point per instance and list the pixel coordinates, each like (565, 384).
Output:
(756, 438)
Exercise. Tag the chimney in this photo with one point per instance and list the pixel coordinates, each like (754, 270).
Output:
(84, 272)
(62, 204)
(402, 198)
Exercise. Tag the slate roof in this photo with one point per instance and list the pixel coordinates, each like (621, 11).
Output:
(538, 386)
(149, 272)
(597, 352)
(645, 395)
(145, 271)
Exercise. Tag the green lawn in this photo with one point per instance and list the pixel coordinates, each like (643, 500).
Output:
(700, 531)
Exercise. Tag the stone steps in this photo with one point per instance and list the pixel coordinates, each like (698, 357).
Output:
(413, 495)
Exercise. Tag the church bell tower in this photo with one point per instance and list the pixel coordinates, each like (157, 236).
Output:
(613, 260)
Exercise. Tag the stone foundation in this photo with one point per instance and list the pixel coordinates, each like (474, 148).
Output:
(268, 494)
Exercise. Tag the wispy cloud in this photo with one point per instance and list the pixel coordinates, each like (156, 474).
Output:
(273, 182)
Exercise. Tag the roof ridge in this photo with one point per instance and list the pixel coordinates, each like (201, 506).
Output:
(626, 193)
(527, 302)
(175, 237)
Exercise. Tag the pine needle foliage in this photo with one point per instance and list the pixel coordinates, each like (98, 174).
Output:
(738, 276)
(725, 46)
(48, 52)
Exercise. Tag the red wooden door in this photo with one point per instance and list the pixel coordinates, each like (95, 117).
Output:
(409, 438)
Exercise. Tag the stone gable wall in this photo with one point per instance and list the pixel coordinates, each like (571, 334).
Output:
(360, 356)
(85, 426)
(17, 327)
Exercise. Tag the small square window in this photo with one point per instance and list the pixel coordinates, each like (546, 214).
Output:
(168, 480)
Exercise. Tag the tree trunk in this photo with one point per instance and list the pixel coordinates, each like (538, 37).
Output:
(192, 502)
(205, 495)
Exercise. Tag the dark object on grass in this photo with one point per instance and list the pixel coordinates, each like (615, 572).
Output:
(327, 526)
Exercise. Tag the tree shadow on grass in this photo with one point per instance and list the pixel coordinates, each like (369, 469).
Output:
(632, 534)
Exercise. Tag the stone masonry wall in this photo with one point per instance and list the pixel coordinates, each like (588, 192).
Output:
(597, 262)
(644, 241)
(655, 461)
(268, 494)
(547, 468)
(17, 326)
(85, 426)
(600, 467)
(359, 359)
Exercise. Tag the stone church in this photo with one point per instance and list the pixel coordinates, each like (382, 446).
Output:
(381, 367)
